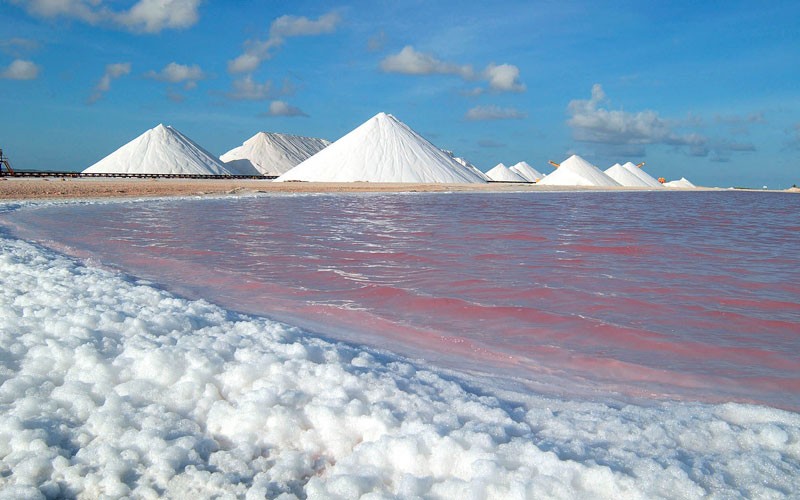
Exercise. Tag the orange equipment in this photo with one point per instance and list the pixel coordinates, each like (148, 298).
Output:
(553, 163)
(662, 180)
(640, 165)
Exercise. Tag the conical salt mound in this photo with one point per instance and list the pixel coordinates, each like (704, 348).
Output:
(682, 183)
(272, 154)
(501, 173)
(382, 149)
(575, 171)
(625, 176)
(529, 173)
(642, 175)
(160, 150)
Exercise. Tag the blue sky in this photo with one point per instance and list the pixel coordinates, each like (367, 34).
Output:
(706, 90)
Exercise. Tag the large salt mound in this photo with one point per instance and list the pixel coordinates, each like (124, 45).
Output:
(272, 154)
(382, 149)
(682, 183)
(501, 173)
(625, 176)
(160, 150)
(525, 170)
(641, 174)
(575, 171)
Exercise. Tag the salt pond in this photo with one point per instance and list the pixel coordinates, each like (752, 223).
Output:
(560, 345)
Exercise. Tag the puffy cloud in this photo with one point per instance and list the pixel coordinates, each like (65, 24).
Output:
(145, 16)
(113, 71)
(492, 112)
(257, 51)
(20, 69)
(288, 26)
(500, 77)
(153, 16)
(247, 89)
(178, 73)
(282, 108)
(411, 62)
(504, 78)
(592, 123)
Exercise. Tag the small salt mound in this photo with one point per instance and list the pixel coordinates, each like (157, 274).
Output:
(160, 150)
(575, 171)
(501, 173)
(682, 183)
(272, 154)
(641, 174)
(625, 176)
(382, 149)
(526, 171)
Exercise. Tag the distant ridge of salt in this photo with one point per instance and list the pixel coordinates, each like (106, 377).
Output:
(160, 150)
(382, 149)
(683, 182)
(501, 173)
(575, 171)
(268, 153)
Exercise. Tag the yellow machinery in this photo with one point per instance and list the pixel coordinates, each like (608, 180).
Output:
(553, 163)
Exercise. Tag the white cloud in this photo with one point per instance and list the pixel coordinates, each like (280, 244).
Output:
(289, 26)
(20, 69)
(113, 71)
(153, 16)
(177, 73)
(592, 123)
(247, 89)
(257, 51)
(146, 16)
(411, 62)
(282, 108)
(500, 77)
(504, 78)
(479, 113)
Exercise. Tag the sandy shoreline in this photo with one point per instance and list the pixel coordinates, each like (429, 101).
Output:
(70, 188)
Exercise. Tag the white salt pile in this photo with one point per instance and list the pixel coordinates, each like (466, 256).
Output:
(683, 182)
(641, 174)
(625, 177)
(112, 388)
(501, 173)
(526, 171)
(575, 171)
(271, 153)
(161, 150)
(382, 149)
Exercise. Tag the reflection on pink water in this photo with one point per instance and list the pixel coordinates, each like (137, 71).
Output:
(649, 294)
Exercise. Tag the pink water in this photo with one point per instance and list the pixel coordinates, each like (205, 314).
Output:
(644, 295)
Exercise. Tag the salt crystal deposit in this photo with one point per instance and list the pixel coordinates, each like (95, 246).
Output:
(625, 177)
(575, 171)
(525, 170)
(272, 154)
(642, 175)
(683, 182)
(382, 149)
(501, 173)
(160, 150)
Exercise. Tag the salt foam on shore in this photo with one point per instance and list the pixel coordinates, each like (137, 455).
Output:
(110, 386)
